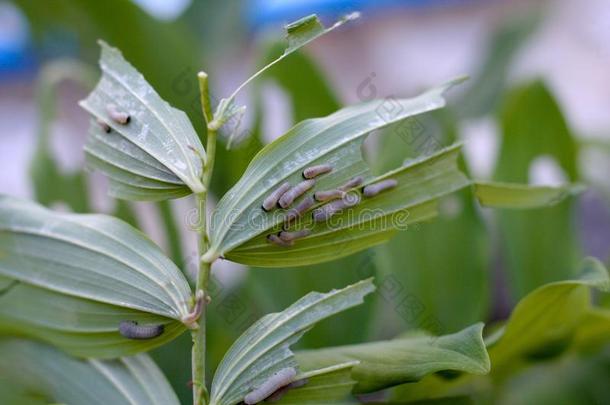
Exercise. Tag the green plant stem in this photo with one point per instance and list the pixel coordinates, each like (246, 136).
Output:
(200, 392)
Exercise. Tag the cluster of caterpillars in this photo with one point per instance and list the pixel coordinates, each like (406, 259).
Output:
(275, 387)
(335, 201)
(115, 114)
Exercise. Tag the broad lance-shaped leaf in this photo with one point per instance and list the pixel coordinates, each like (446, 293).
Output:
(47, 373)
(388, 363)
(70, 279)
(520, 196)
(547, 319)
(264, 348)
(335, 140)
(298, 34)
(156, 155)
(552, 320)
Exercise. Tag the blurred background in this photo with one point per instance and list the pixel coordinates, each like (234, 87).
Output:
(535, 110)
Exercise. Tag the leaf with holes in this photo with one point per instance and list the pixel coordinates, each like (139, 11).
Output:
(264, 348)
(50, 374)
(70, 279)
(240, 226)
(148, 149)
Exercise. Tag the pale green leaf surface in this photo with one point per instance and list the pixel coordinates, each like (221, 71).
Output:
(157, 152)
(332, 384)
(385, 364)
(77, 276)
(265, 347)
(79, 326)
(520, 196)
(336, 140)
(57, 377)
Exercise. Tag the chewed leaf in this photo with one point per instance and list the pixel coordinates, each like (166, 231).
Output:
(334, 140)
(74, 278)
(518, 196)
(59, 378)
(298, 34)
(388, 363)
(264, 348)
(148, 149)
(413, 199)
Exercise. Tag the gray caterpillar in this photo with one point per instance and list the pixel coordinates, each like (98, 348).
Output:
(131, 330)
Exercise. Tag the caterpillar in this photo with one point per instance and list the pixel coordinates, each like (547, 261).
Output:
(102, 124)
(288, 236)
(274, 239)
(317, 170)
(326, 211)
(277, 395)
(295, 192)
(300, 209)
(131, 330)
(351, 183)
(116, 115)
(271, 201)
(328, 195)
(373, 189)
(278, 380)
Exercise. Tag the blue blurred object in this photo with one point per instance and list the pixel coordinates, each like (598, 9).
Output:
(15, 54)
(265, 12)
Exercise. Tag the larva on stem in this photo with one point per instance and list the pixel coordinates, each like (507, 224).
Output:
(273, 383)
(131, 330)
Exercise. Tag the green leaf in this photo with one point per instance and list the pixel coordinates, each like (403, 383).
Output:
(48, 373)
(92, 271)
(545, 321)
(519, 196)
(385, 364)
(336, 140)
(327, 385)
(555, 319)
(265, 347)
(532, 126)
(157, 154)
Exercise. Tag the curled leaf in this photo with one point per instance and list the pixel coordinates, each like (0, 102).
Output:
(239, 225)
(520, 196)
(388, 363)
(70, 279)
(264, 348)
(148, 149)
